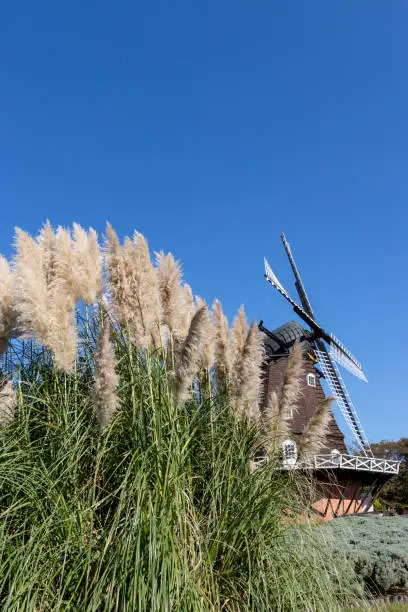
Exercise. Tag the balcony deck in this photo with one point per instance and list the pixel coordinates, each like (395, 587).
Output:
(348, 462)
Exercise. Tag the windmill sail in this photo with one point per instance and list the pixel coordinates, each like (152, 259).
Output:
(273, 280)
(339, 353)
(304, 300)
(328, 362)
(338, 389)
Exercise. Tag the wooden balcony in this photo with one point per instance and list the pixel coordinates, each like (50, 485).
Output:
(349, 462)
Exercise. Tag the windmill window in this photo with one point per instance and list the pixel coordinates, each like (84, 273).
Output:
(290, 452)
(311, 380)
(335, 455)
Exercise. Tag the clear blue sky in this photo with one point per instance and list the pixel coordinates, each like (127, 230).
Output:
(213, 126)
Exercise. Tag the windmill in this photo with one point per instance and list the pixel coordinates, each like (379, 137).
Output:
(329, 352)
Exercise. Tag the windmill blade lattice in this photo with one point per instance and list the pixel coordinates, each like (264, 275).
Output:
(338, 388)
(339, 353)
(273, 280)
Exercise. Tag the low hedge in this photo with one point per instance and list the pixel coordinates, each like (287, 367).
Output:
(378, 548)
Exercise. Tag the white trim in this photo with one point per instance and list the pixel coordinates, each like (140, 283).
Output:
(351, 462)
(290, 453)
(311, 379)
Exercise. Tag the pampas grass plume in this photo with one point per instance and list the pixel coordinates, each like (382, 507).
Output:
(44, 292)
(240, 328)
(6, 304)
(223, 346)
(146, 292)
(47, 241)
(276, 428)
(133, 287)
(281, 406)
(120, 270)
(65, 263)
(172, 297)
(292, 384)
(62, 298)
(315, 436)
(189, 357)
(62, 337)
(207, 357)
(8, 404)
(87, 264)
(106, 379)
(30, 295)
(188, 309)
(247, 379)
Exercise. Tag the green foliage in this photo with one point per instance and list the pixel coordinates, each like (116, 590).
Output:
(393, 607)
(394, 494)
(377, 547)
(163, 511)
(378, 505)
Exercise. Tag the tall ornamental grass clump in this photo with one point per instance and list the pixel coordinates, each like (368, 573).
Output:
(129, 436)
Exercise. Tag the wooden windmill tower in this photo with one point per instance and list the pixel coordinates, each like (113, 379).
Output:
(354, 479)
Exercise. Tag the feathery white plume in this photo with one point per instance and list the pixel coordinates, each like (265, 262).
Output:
(315, 436)
(30, 294)
(106, 378)
(223, 345)
(246, 382)
(189, 357)
(172, 297)
(6, 304)
(8, 404)
(207, 357)
(87, 262)
(133, 287)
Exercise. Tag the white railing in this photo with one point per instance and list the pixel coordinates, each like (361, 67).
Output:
(336, 461)
(352, 462)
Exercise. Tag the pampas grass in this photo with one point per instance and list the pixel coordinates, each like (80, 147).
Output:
(149, 299)
(44, 293)
(246, 382)
(47, 241)
(133, 287)
(62, 297)
(165, 512)
(65, 277)
(8, 404)
(292, 384)
(117, 276)
(188, 360)
(315, 435)
(30, 294)
(51, 274)
(187, 310)
(277, 429)
(224, 353)
(240, 331)
(174, 301)
(106, 380)
(62, 335)
(207, 355)
(6, 304)
(282, 404)
(87, 264)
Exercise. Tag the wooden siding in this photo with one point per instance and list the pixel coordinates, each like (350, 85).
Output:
(310, 399)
